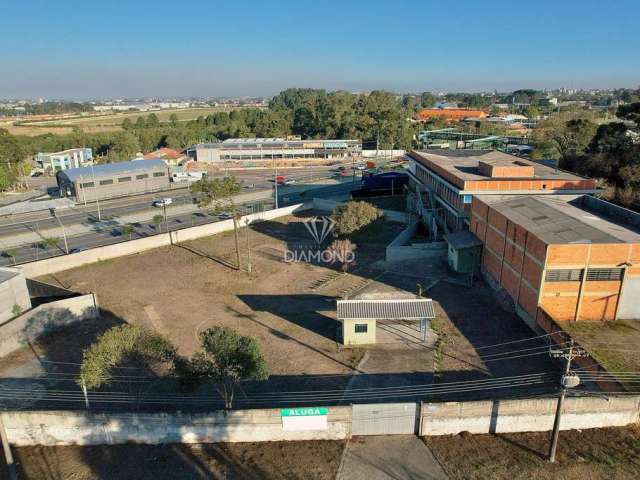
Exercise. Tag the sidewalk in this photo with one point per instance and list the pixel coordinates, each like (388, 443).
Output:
(390, 457)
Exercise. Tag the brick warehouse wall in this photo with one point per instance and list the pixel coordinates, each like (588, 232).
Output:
(511, 255)
(588, 300)
(518, 261)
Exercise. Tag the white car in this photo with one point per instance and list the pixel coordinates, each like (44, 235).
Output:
(163, 202)
(289, 182)
(361, 166)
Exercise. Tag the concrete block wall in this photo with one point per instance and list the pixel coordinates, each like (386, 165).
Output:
(529, 415)
(86, 428)
(45, 318)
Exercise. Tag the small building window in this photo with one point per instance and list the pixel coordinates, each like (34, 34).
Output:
(361, 328)
(158, 174)
(124, 179)
(604, 274)
(142, 176)
(564, 275)
(467, 199)
(87, 185)
(106, 182)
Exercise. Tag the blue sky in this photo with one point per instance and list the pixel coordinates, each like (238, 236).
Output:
(108, 48)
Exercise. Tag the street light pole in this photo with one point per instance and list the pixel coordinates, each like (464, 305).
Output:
(95, 192)
(64, 234)
(275, 165)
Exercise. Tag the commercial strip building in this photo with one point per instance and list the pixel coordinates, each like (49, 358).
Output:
(446, 182)
(269, 149)
(57, 161)
(570, 257)
(111, 180)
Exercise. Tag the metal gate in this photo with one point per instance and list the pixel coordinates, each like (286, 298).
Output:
(384, 419)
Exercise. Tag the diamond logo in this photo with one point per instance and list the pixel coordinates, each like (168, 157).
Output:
(319, 227)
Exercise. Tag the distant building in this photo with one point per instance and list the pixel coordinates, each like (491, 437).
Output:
(269, 149)
(112, 180)
(57, 161)
(566, 257)
(446, 182)
(171, 157)
(454, 114)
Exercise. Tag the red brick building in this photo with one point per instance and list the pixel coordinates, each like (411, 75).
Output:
(575, 257)
(447, 180)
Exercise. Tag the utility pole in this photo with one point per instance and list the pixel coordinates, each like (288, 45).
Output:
(567, 381)
(248, 246)
(64, 234)
(95, 192)
(275, 166)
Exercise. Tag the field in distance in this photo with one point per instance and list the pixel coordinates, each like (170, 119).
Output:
(105, 122)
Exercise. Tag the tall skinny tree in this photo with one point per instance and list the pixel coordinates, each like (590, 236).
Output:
(218, 194)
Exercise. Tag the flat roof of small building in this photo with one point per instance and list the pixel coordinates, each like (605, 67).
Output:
(386, 309)
(462, 239)
(560, 219)
(111, 169)
(463, 164)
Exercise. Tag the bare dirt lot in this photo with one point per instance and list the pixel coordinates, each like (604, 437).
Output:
(596, 454)
(290, 309)
(252, 461)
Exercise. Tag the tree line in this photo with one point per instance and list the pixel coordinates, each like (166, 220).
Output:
(583, 143)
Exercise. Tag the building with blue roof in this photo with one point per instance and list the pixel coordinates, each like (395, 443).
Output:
(110, 180)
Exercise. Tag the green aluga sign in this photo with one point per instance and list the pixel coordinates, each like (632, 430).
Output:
(304, 412)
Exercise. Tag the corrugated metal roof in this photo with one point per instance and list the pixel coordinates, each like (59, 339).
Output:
(110, 169)
(402, 309)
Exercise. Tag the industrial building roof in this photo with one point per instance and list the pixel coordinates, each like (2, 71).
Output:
(269, 142)
(387, 309)
(559, 219)
(463, 164)
(111, 169)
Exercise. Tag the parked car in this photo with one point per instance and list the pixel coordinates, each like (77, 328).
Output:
(225, 216)
(163, 202)
(361, 166)
(289, 182)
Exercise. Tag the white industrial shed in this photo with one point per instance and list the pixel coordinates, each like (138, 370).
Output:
(359, 317)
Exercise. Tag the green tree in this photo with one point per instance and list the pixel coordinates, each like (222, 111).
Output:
(157, 221)
(50, 242)
(227, 358)
(10, 253)
(140, 123)
(127, 124)
(630, 112)
(152, 121)
(116, 345)
(354, 216)
(173, 120)
(11, 152)
(532, 112)
(217, 194)
(128, 230)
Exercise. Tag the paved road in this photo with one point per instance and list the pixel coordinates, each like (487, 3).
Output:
(389, 457)
(182, 214)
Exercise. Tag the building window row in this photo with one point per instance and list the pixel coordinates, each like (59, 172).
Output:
(577, 274)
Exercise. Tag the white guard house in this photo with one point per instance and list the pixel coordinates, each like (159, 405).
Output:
(359, 318)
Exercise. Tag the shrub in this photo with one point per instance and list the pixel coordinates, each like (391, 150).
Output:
(354, 216)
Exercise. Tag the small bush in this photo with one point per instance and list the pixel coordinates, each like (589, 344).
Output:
(354, 216)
